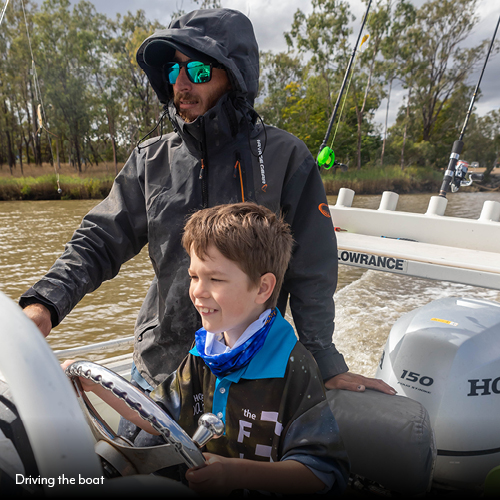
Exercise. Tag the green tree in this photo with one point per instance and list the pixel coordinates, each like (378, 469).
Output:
(65, 44)
(402, 17)
(140, 109)
(483, 144)
(439, 63)
(377, 26)
(18, 86)
(304, 111)
(280, 73)
(322, 38)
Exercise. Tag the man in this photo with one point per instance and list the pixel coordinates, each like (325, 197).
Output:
(205, 71)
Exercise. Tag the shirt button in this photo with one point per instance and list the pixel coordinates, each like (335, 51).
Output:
(220, 414)
(222, 390)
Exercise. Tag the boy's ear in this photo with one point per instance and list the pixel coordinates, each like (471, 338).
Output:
(267, 284)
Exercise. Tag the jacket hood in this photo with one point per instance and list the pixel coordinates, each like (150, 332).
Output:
(223, 35)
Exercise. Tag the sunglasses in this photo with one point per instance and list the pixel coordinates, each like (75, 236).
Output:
(196, 71)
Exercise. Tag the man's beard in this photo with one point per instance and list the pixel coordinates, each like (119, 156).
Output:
(210, 101)
(184, 114)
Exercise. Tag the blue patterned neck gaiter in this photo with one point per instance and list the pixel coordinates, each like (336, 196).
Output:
(227, 362)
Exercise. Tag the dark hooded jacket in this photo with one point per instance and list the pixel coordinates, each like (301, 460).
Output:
(224, 156)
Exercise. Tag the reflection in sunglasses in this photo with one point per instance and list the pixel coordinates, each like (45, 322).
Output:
(196, 71)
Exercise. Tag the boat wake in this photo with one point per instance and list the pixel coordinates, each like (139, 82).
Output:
(367, 308)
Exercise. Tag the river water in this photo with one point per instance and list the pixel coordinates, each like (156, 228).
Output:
(33, 234)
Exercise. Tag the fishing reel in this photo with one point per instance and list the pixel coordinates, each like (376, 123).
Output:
(326, 159)
(462, 177)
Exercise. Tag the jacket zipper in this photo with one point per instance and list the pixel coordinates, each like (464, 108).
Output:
(204, 169)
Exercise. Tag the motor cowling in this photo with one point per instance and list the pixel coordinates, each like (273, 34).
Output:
(446, 355)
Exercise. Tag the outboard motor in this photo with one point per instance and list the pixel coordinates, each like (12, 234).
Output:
(446, 355)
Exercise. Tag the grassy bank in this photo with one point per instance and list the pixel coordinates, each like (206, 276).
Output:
(45, 187)
(40, 182)
(378, 180)
(94, 182)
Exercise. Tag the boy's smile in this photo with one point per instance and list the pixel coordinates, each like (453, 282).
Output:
(224, 296)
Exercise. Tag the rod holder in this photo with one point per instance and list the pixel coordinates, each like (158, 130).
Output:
(345, 197)
(490, 211)
(437, 205)
(389, 201)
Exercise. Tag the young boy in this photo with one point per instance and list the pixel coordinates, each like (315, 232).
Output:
(247, 366)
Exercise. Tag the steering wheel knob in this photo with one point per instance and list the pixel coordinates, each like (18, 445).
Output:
(209, 427)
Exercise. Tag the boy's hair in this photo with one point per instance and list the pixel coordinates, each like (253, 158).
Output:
(250, 235)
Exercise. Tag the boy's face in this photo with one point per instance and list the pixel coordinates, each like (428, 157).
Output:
(223, 295)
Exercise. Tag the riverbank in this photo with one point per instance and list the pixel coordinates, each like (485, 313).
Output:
(412, 180)
(378, 181)
(43, 182)
(94, 182)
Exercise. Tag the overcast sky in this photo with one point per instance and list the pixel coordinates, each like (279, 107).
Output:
(271, 18)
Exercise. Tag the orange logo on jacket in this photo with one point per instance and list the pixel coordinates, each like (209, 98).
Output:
(323, 208)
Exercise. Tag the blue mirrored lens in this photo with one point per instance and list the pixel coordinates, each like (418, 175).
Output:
(197, 71)
(172, 71)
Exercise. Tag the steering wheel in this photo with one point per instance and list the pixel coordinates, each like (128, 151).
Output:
(60, 438)
(179, 448)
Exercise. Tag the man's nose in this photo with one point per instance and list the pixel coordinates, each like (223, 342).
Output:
(182, 83)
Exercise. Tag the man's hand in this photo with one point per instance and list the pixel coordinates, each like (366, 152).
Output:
(40, 315)
(358, 383)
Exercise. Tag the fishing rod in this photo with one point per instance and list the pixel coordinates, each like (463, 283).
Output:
(455, 176)
(326, 156)
(3, 11)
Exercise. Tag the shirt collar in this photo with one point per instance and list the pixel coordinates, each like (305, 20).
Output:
(271, 361)
(214, 343)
